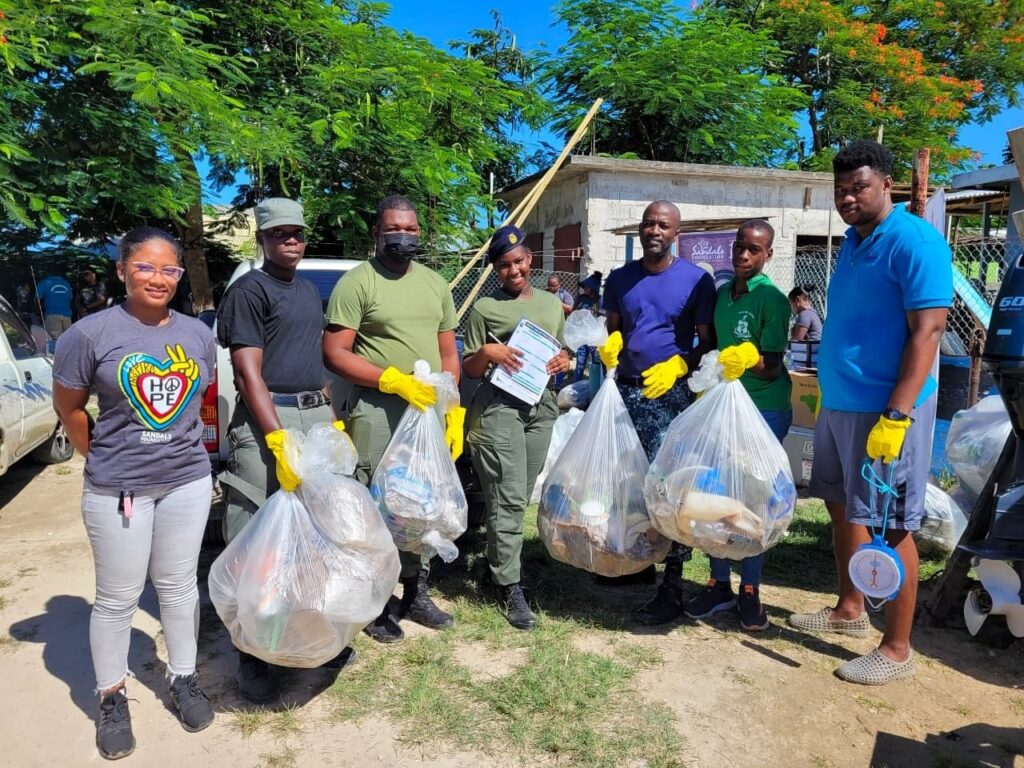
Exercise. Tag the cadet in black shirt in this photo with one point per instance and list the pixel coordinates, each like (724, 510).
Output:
(273, 324)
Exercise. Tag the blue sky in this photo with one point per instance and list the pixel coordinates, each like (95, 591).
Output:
(535, 26)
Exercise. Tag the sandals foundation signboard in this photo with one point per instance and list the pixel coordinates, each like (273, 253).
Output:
(711, 251)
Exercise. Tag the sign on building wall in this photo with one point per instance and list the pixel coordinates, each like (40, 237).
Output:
(711, 251)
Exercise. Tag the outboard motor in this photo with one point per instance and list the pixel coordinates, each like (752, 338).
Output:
(1001, 552)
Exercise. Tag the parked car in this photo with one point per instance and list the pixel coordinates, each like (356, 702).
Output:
(28, 423)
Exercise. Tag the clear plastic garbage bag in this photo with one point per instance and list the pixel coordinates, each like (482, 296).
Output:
(416, 483)
(592, 512)
(564, 426)
(721, 481)
(584, 329)
(943, 523)
(575, 395)
(312, 568)
(975, 440)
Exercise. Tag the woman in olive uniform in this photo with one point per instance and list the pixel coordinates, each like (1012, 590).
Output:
(509, 438)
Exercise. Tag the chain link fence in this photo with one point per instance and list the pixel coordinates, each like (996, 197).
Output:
(981, 261)
(449, 267)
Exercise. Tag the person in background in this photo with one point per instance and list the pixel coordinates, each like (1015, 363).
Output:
(383, 316)
(271, 321)
(807, 326)
(555, 286)
(590, 293)
(508, 438)
(888, 303)
(147, 489)
(751, 321)
(92, 295)
(660, 312)
(55, 293)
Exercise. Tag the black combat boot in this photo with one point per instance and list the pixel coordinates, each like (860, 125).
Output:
(517, 611)
(417, 606)
(256, 681)
(385, 628)
(667, 602)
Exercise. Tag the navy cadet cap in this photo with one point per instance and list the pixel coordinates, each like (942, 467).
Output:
(503, 241)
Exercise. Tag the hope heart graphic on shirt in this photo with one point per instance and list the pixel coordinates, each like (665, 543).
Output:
(159, 390)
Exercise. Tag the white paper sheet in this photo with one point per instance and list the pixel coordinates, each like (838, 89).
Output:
(538, 346)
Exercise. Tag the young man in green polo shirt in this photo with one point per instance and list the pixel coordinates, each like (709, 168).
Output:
(752, 325)
(383, 316)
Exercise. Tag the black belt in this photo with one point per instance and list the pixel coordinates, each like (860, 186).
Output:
(301, 400)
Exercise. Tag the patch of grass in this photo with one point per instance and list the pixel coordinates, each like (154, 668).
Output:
(8, 643)
(875, 705)
(62, 470)
(562, 704)
(3, 602)
(962, 710)
(739, 677)
(1017, 705)
(5, 583)
(286, 758)
(817, 761)
(248, 721)
(946, 479)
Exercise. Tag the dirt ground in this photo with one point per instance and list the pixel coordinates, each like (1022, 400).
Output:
(768, 699)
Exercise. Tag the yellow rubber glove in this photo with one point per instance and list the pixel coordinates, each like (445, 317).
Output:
(609, 351)
(409, 388)
(339, 425)
(737, 359)
(454, 434)
(278, 442)
(885, 440)
(661, 377)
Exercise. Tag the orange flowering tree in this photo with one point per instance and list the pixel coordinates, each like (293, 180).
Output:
(917, 69)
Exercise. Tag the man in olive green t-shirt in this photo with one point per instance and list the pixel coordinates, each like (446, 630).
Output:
(382, 317)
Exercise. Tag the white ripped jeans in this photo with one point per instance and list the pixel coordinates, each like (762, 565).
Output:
(162, 536)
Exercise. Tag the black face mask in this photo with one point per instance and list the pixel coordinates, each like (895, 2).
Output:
(400, 245)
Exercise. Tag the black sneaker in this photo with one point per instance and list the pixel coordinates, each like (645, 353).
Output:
(717, 596)
(256, 682)
(417, 606)
(385, 629)
(517, 611)
(194, 709)
(347, 658)
(753, 617)
(114, 737)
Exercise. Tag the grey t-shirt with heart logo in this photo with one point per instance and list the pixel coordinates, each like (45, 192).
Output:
(149, 381)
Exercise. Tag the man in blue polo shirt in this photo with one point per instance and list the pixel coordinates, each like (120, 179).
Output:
(657, 308)
(55, 292)
(887, 303)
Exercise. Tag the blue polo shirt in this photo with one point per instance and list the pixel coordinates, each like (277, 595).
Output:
(56, 293)
(660, 311)
(903, 265)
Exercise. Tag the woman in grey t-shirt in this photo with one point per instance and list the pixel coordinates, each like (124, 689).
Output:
(808, 322)
(147, 486)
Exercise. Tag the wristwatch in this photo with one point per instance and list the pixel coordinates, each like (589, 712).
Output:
(895, 414)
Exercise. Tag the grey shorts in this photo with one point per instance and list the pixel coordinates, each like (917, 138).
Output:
(840, 439)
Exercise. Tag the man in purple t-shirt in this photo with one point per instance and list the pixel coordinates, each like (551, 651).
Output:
(661, 322)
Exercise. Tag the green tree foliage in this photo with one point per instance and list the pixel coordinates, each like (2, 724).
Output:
(111, 102)
(688, 89)
(918, 69)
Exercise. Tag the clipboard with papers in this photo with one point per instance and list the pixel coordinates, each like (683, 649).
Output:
(538, 347)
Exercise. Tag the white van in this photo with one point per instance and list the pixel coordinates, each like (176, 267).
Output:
(28, 423)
